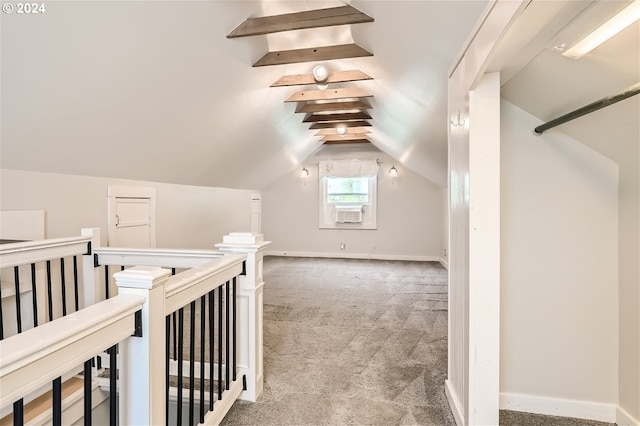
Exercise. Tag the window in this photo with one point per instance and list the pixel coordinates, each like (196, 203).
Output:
(348, 192)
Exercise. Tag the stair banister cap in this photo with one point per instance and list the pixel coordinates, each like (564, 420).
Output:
(146, 277)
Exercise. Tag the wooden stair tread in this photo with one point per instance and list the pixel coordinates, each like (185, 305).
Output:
(44, 402)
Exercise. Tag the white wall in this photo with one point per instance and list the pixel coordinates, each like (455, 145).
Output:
(187, 216)
(559, 325)
(410, 215)
(629, 251)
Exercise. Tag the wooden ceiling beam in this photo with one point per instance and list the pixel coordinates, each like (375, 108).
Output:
(343, 15)
(347, 137)
(346, 142)
(359, 123)
(333, 106)
(334, 77)
(324, 53)
(350, 131)
(321, 118)
(329, 94)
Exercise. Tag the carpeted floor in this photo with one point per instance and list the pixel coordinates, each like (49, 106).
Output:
(352, 342)
(356, 342)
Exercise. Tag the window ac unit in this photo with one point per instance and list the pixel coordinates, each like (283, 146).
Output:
(348, 214)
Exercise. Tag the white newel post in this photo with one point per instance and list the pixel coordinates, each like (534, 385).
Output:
(90, 278)
(250, 349)
(142, 359)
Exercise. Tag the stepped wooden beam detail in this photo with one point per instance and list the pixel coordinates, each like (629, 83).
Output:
(334, 77)
(322, 118)
(358, 123)
(346, 141)
(324, 53)
(350, 131)
(343, 15)
(333, 106)
(347, 137)
(329, 94)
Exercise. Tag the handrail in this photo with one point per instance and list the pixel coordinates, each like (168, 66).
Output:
(39, 355)
(188, 285)
(164, 258)
(15, 254)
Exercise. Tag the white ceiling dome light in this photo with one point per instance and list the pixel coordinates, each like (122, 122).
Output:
(320, 75)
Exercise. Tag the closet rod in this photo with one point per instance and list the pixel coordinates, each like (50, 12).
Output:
(604, 102)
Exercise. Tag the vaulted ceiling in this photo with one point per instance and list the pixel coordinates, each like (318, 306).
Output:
(154, 90)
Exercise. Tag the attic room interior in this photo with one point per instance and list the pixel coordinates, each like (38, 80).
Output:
(327, 142)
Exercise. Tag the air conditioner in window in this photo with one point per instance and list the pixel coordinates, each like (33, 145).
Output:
(348, 214)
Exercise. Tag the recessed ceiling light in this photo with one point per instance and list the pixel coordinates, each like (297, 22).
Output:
(613, 26)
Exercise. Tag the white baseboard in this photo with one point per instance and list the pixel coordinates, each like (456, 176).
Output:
(444, 263)
(558, 407)
(343, 255)
(625, 419)
(454, 403)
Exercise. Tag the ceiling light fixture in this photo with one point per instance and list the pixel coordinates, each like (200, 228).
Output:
(341, 130)
(321, 75)
(613, 26)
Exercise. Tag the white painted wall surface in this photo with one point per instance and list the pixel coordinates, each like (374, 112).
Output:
(187, 216)
(409, 216)
(629, 259)
(618, 137)
(559, 324)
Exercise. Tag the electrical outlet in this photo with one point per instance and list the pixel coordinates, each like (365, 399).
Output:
(342, 246)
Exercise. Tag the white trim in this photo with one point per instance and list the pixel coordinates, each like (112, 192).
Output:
(41, 354)
(623, 418)
(364, 256)
(131, 191)
(483, 294)
(444, 263)
(559, 407)
(15, 254)
(164, 258)
(454, 403)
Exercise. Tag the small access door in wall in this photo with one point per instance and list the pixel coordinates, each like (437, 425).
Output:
(131, 217)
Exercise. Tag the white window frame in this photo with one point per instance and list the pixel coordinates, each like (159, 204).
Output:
(327, 211)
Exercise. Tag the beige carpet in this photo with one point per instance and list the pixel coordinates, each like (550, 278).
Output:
(354, 342)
